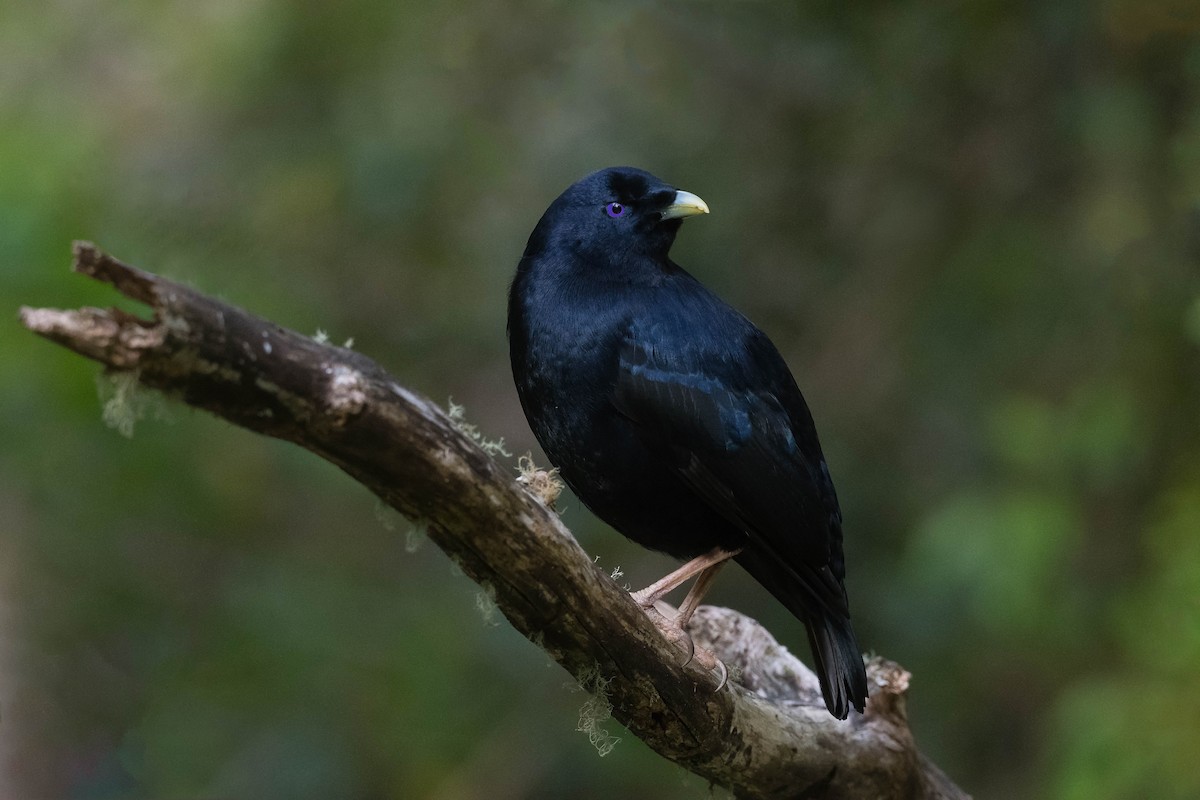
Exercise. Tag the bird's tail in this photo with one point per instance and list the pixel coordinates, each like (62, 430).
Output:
(839, 663)
(819, 601)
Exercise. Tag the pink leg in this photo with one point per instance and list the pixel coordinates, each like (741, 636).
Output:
(656, 591)
(698, 590)
(706, 566)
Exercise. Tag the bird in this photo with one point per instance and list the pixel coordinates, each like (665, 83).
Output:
(672, 417)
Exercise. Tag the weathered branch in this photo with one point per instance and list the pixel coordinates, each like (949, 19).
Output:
(766, 736)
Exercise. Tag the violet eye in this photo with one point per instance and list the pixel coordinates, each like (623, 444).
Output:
(615, 210)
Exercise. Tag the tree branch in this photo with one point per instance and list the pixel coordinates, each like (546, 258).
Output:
(766, 736)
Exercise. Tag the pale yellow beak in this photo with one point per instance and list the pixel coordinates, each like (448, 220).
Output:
(686, 204)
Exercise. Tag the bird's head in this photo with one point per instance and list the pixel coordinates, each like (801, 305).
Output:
(613, 214)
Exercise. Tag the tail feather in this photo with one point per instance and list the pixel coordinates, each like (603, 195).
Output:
(820, 603)
(839, 664)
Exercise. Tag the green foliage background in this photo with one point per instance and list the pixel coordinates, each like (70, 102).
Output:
(972, 228)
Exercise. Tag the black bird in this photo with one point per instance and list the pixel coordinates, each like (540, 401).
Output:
(672, 416)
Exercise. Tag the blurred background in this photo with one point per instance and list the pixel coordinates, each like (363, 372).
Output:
(973, 229)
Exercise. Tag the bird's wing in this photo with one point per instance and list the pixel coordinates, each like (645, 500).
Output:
(735, 428)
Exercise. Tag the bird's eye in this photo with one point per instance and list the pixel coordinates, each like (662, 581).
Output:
(615, 210)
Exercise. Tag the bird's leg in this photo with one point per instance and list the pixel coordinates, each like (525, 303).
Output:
(698, 590)
(706, 566)
(646, 598)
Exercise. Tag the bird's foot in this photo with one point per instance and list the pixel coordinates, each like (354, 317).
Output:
(709, 661)
(674, 633)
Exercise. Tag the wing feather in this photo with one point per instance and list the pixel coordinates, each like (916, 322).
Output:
(737, 448)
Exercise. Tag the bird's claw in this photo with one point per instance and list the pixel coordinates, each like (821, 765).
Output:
(691, 648)
(724, 676)
(674, 633)
(709, 662)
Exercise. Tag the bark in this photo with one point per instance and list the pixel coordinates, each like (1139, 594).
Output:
(766, 734)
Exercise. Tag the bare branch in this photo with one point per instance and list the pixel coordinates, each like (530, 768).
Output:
(767, 736)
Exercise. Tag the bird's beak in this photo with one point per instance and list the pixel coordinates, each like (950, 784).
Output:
(685, 204)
